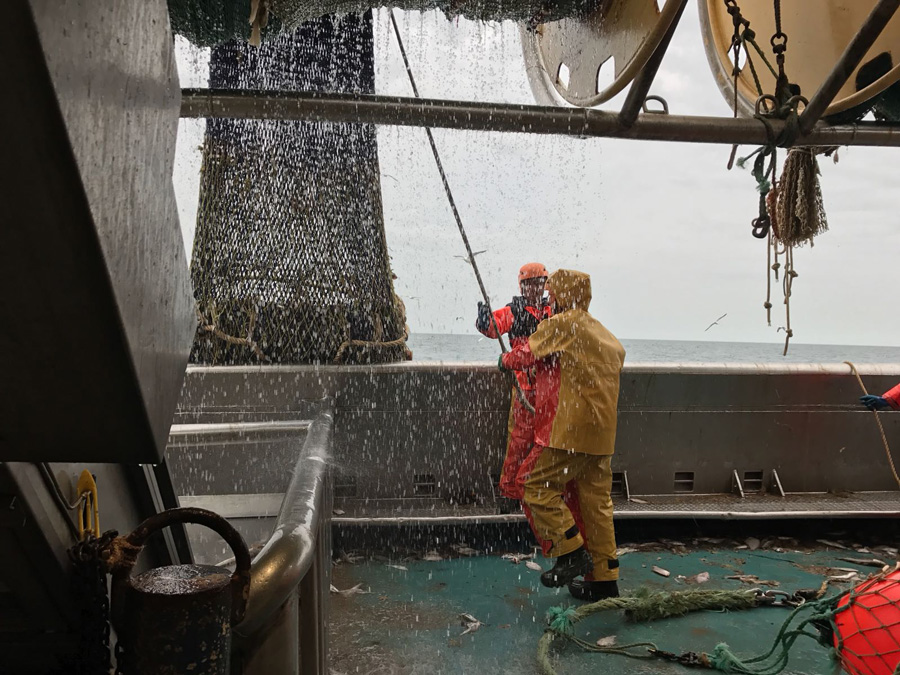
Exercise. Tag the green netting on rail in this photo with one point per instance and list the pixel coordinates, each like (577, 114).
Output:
(290, 262)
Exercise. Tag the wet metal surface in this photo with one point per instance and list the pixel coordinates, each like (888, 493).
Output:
(93, 249)
(182, 579)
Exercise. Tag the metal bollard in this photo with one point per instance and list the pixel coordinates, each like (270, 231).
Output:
(177, 619)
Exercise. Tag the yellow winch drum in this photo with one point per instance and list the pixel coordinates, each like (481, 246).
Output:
(818, 33)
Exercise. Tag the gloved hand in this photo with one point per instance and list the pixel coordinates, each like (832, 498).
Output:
(483, 322)
(500, 364)
(518, 305)
(874, 402)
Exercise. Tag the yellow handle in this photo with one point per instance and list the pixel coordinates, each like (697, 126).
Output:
(89, 508)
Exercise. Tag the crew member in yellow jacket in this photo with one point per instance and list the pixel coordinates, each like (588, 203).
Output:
(577, 363)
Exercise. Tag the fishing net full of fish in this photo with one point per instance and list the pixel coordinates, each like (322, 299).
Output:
(290, 261)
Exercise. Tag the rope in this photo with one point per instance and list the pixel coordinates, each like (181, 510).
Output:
(643, 606)
(789, 275)
(462, 230)
(723, 659)
(232, 340)
(887, 448)
(368, 343)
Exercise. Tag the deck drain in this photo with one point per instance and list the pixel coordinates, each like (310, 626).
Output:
(684, 481)
(344, 486)
(424, 484)
(753, 481)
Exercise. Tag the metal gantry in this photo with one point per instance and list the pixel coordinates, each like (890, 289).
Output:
(530, 119)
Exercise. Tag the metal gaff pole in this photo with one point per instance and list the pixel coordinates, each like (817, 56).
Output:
(462, 231)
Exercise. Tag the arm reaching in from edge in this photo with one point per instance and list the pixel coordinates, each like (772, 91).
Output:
(890, 399)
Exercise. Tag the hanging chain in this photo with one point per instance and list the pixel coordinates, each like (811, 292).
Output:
(90, 592)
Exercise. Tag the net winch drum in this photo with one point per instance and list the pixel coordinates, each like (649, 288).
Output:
(818, 33)
(564, 59)
(179, 618)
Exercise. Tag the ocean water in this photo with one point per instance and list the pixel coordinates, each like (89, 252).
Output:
(441, 347)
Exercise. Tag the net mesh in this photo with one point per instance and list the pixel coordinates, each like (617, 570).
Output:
(211, 22)
(290, 261)
(867, 627)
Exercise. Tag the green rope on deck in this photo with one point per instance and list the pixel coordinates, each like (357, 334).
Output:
(643, 605)
(560, 619)
(774, 661)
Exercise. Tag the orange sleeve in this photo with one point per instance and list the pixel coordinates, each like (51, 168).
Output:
(519, 358)
(893, 397)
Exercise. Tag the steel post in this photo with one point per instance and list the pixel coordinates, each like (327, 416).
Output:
(642, 83)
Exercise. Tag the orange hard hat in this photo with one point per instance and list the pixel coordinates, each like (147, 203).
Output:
(532, 271)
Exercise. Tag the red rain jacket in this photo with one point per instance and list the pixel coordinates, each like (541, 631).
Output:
(893, 397)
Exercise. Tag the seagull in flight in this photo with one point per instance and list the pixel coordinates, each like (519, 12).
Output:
(466, 259)
(716, 322)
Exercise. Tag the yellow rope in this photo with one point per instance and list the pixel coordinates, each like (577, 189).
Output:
(887, 448)
(232, 340)
(338, 357)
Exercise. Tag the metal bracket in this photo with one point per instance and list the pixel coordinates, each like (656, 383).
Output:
(776, 483)
(736, 486)
(659, 99)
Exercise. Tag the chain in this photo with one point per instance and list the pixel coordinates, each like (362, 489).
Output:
(688, 659)
(772, 598)
(90, 592)
(120, 658)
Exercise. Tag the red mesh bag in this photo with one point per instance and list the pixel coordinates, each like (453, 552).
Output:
(867, 627)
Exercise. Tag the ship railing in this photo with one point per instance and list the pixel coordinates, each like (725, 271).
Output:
(285, 630)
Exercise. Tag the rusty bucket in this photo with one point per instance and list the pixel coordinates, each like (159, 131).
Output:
(177, 619)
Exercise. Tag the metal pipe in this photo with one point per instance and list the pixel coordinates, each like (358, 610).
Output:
(656, 367)
(619, 515)
(237, 427)
(281, 565)
(459, 223)
(583, 123)
(639, 89)
(859, 46)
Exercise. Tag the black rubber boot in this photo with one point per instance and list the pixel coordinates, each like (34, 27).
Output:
(567, 567)
(507, 505)
(592, 591)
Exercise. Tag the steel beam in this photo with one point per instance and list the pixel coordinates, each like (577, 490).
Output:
(472, 116)
(859, 46)
(637, 94)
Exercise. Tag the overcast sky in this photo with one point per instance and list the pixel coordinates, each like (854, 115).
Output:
(662, 228)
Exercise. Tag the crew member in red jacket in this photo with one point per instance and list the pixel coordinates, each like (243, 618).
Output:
(519, 319)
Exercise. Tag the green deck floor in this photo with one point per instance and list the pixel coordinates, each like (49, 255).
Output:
(409, 622)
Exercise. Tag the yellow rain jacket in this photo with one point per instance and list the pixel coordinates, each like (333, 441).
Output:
(578, 362)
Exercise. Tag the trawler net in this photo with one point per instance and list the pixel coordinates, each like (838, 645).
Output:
(211, 22)
(290, 262)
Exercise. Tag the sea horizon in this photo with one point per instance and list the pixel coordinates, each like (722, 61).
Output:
(476, 348)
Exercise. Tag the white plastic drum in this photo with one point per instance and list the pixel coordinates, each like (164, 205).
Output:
(567, 60)
(818, 32)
